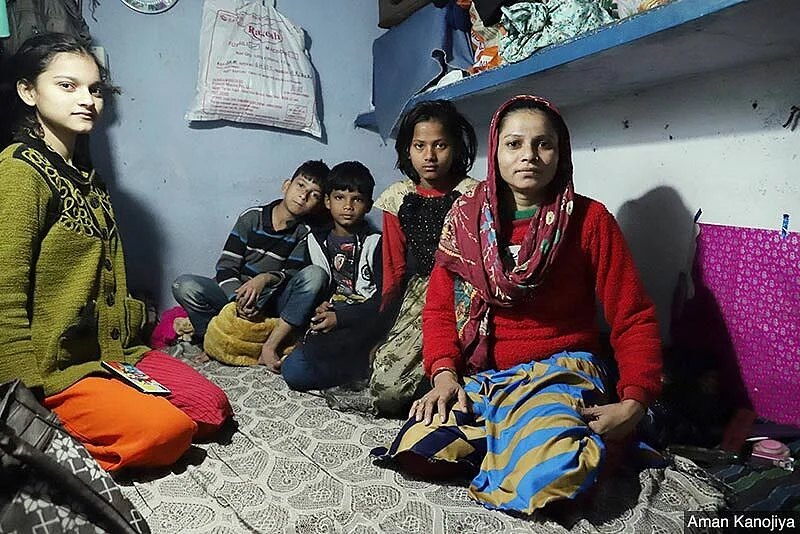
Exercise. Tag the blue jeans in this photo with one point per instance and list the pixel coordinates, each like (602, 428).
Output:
(327, 360)
(294, 301)
(298, 298)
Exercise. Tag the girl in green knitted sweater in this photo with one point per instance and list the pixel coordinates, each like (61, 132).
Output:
(64, 303)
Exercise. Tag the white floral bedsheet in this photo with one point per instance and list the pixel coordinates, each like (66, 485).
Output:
(295, 466)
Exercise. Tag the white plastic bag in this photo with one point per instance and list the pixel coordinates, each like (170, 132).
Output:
(254, 68)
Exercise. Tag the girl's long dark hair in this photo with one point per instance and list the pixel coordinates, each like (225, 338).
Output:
(457, 128)
(30, 60)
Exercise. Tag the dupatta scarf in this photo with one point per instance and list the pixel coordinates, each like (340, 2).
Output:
(469, 248)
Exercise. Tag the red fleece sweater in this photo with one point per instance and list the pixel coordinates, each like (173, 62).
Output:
(594, 262)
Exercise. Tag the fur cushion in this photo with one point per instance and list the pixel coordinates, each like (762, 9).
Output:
(236, 341)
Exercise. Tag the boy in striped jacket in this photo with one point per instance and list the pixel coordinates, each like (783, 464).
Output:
(264, 265)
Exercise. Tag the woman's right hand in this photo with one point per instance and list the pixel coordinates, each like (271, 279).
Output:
(446, 390)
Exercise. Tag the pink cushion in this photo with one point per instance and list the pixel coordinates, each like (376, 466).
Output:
(192, 393)
(164, 333)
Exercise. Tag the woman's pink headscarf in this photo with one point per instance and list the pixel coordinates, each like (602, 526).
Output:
(469, 249)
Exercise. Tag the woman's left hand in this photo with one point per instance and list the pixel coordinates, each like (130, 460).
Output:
(614, 421)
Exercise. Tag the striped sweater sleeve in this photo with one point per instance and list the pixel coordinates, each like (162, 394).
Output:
(231, 261)
(299, 257)
(24, 199)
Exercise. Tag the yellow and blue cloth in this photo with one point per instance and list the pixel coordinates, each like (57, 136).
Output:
(525, 433)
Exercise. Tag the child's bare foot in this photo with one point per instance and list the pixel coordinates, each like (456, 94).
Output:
(269, 357)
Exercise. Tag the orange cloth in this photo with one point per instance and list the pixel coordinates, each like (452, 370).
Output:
(120, 426)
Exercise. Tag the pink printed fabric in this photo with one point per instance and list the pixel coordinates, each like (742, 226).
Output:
(754, 275)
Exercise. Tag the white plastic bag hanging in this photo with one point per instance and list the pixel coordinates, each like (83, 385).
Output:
(254, 68)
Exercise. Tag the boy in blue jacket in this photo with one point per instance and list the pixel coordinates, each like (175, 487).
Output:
(336, 348)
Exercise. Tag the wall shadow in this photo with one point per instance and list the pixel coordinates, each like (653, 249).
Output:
(703, 383)
(142, 238)
(221, 123)
(317, 90)
(659, 229)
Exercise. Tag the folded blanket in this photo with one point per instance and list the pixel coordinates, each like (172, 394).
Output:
(236, 341)
(534, 25)
(411, 56)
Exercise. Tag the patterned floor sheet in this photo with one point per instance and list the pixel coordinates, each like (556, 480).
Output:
(295, 466)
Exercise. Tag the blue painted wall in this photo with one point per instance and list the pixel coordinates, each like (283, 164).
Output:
(177, 190)
(653, 157)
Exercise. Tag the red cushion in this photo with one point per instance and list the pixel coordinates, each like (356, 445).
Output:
(192, 393)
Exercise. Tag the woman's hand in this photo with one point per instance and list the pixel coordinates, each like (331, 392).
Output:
(446, 390)
(614, 421)
(322, 308)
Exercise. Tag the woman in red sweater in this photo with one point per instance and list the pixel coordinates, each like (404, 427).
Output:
(510, 332)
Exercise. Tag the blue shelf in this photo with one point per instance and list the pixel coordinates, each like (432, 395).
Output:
(681, 39)
(367, 121)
